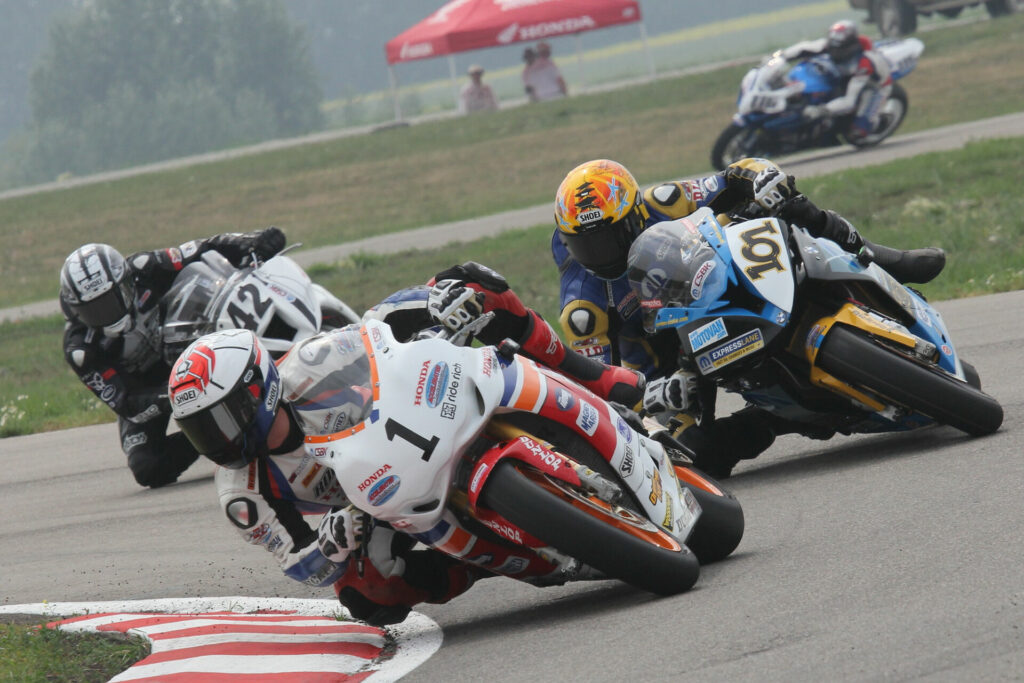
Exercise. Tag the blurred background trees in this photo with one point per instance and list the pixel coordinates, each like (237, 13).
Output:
(124, 83)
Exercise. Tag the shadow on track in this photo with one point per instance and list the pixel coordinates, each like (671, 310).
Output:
(854, 453)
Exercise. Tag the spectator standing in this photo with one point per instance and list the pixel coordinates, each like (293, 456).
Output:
(543, 76)
(529, 59)
(477, 95)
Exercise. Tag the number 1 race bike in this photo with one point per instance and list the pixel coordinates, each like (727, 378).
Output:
(802, 329)
(769, 119)
(275, 299)
(505, 464)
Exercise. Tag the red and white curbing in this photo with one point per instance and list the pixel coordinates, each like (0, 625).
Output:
(231, 640)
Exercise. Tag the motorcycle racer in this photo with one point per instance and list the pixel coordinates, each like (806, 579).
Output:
(599, 211)
(248, 415)
(865, 72)
(112, 338)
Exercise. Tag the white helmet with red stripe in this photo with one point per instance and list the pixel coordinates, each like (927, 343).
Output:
(224, 391)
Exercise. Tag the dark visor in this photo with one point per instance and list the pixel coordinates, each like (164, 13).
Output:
(602, 249)
(221, 431)
(107, 308)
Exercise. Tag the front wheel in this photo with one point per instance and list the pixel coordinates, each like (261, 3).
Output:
(720, 526)
(853, 357)
(611, 539)
(734, 143)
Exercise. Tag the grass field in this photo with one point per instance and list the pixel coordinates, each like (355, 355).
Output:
(455, 169)
(966, 201)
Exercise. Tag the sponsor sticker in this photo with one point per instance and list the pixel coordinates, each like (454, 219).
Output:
(383, 490)
(627, 462)
(369, 481)
(697, 286)
(707, 334)
(436, 384)
(730, 352)
(588, 418)
(590, 216)
(564, 399)
(624, 431)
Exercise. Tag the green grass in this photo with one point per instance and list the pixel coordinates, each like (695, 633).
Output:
(455, 169)
(966, 201)
(36, 654)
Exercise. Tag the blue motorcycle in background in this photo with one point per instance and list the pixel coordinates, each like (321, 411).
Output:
(769, 119)
(802, 329)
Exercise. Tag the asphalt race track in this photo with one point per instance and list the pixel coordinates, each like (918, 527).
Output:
(884, 557)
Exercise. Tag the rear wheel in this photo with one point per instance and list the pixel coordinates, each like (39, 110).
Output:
(894, 17)
(889, 119)
(1000, 8)
(855, 358)
(720, 526)
(609, 538)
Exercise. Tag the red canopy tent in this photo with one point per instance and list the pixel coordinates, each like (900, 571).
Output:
(463, 25)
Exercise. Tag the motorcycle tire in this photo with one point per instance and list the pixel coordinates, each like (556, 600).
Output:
(853, 357)
(613, 540)
(893, 113)
(728, 147)
(720, 526)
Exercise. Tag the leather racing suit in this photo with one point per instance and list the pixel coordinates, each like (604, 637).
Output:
(867, 82)
(129, 373)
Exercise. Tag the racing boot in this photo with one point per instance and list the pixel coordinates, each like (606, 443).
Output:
(914, 265)
(611, 382)
(718, 447)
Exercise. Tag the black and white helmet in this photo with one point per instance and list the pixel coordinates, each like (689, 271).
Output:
(96, 285)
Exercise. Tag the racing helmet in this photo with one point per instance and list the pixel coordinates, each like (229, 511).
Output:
(599, 211)
(843, 41)
(97, 287)
(224, 391)
(672, 265)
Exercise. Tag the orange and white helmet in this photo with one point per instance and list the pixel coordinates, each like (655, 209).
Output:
(599, 211)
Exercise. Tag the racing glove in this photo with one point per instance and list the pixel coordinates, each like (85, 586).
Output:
(268, 242)
(339, 533)
(454, 305)
(762, 182)
(675, 393)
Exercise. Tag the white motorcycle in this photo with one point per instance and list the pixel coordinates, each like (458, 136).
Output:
(505, 464)
(275, 299)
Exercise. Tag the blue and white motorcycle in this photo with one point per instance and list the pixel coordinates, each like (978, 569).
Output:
(769, 109)
(802, 329)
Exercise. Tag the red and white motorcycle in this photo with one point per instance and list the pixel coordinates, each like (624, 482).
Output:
(505, 464)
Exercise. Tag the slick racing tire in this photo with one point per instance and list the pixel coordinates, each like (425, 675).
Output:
(732, 145)
(720, 526)
(609, 538)
(890, 118)
(855, 358)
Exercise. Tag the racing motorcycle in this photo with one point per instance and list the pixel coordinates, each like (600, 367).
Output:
(275, 299)
(802, 329)
(490, 458)
(769, 118)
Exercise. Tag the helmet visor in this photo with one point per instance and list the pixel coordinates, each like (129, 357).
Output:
(226, 432)
(602, 249)
(107, 308)
(672, 265)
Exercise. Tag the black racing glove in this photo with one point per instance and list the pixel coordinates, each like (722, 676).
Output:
(268, 242)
